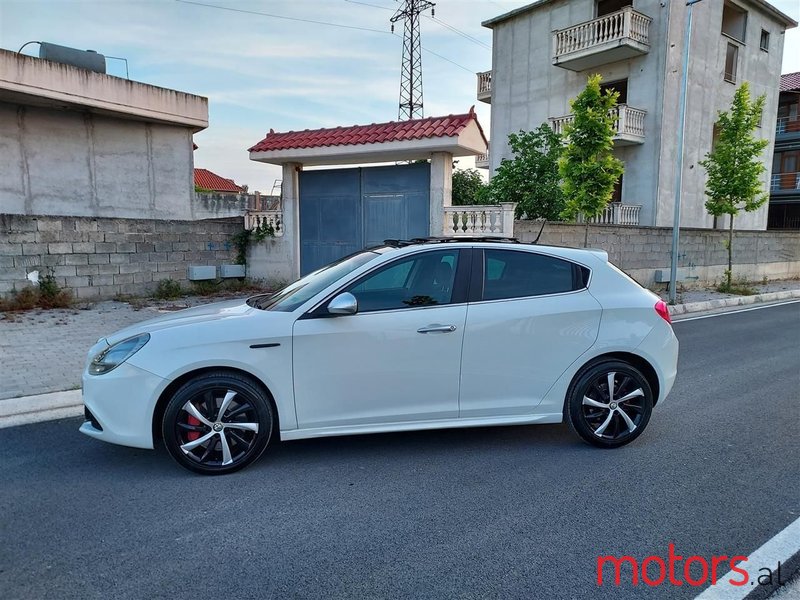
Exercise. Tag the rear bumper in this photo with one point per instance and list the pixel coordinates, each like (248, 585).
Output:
(660, 348)
(120, 405)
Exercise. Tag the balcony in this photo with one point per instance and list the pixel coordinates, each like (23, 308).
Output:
(628, 121)
(617, 213)
(490, 220)
(785, 183)
(788, 126)
(482, 160)
(485, 87)
(610, 38)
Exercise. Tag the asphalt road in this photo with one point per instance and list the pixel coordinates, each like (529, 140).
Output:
(516, 512)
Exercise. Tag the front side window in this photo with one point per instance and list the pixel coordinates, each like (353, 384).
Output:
(514, 274)
(424, 279)
(305, 288)
(734, 21)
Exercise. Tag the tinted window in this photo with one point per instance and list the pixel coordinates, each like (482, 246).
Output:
(424, 279)
(510, 274)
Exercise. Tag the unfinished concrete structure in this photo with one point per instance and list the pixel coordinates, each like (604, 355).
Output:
(79, 143)
(543, 53)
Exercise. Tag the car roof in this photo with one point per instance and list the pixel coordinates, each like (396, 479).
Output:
(578, 254)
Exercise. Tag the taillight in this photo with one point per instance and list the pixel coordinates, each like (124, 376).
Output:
(663, 311)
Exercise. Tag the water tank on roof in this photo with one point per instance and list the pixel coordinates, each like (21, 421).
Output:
(83, 59)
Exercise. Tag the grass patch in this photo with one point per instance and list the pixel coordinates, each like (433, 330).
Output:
(168, 289)
(47, 295)
(737, 288)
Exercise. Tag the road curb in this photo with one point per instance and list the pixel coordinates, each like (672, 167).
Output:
(692, 307)
(42, 407)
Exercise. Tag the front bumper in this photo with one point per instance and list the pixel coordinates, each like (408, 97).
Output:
(122, 403)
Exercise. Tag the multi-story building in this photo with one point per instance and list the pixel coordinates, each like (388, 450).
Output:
(784, 200)
(543, 53)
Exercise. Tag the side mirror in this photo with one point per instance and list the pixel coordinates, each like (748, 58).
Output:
(343, 304)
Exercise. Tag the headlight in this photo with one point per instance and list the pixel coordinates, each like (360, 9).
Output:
(113, 356)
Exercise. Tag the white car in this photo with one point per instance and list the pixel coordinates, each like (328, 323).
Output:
(421, 334)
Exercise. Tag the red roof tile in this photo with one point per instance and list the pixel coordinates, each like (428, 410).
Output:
(790, 82)
(415, 129)
(211, 181)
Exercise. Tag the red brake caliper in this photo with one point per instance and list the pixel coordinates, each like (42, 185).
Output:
(192, 435)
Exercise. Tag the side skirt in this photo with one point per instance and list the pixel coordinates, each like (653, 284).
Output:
(299, 434)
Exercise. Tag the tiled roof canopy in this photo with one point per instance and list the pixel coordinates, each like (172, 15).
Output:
(211, 181)
(790, 82)
(393, 131)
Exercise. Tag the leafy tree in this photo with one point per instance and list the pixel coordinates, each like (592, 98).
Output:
(467, 187)
(531, 178)
(587, 167)
(733, 166)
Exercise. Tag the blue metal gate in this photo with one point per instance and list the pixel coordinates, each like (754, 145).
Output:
(345, 210)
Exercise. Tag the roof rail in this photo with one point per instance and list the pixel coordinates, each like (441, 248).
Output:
(445, 240)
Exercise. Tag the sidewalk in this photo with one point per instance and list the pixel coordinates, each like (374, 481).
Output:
(43, 352)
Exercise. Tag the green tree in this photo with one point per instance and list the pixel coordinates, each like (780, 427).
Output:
(587, 166)
(531, 178)
(734, 167)
(467, 187)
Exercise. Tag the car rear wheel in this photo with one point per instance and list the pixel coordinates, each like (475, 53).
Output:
(609, 404)
(217, 423)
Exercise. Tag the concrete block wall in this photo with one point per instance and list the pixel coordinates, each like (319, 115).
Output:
(102, 257)
(640, 251)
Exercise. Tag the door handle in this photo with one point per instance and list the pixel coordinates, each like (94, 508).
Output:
(437, 329)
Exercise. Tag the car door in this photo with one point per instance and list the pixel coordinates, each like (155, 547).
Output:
(398, 358)
(529, 318)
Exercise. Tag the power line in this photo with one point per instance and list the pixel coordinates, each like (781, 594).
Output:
(274, 16)
(430, 18)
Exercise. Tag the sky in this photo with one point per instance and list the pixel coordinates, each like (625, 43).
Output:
(260, 72)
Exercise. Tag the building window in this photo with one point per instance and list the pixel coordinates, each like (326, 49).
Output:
(621, 87)
(764, 44)
(731, 62)
(734, 22)
(606, 7)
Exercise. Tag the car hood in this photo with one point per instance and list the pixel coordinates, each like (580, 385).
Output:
(216, 311)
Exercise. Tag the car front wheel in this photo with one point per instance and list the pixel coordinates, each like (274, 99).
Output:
(609, 404)
(217, 423)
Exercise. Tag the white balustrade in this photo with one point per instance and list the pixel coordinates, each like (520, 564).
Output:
(255, 219)
(484, 85)
(628, 121)
(784, 181)
(491, 220)
(626, 23)
(616, 214)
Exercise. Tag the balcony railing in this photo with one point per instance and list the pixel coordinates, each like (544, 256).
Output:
(610, 38)
(785, 182)
(265, 218)
(617, 214)
(482, 160)
(485, 86)
(628, 121)
(493, 220)
(787, 125)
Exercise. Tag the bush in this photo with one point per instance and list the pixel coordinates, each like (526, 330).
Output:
(48, 295)
(168, 289)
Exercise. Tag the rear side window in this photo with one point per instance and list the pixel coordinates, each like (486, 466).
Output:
(514, 274)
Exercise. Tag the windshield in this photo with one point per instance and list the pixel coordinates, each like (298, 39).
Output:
(305, 288)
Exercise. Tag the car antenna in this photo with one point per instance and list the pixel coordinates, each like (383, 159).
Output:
(536, 241)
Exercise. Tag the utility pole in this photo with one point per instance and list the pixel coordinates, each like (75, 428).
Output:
(676, 222)
(411, 70)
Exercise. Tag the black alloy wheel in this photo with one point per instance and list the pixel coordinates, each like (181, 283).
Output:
(609, 404)
(218, 423)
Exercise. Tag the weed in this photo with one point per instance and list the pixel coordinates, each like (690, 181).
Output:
(168, 289)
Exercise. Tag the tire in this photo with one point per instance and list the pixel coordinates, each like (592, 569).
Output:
(201, 439)
(587, 404)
